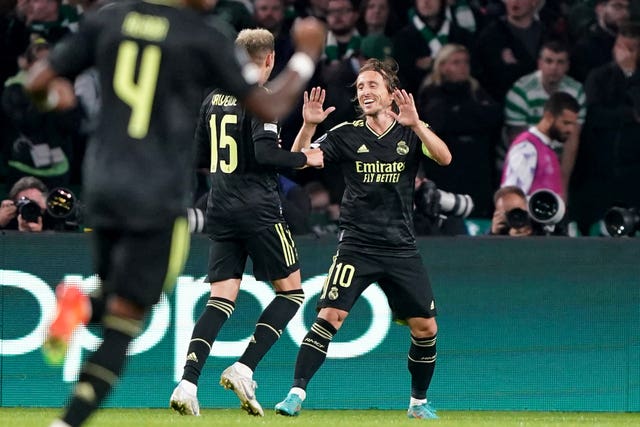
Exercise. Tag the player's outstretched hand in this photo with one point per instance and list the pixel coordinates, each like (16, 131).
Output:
(308, 35)
(407, 113)
(312, 108)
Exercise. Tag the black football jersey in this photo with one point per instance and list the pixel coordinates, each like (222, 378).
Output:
(244, 194)
(376, 213)
(155, 61)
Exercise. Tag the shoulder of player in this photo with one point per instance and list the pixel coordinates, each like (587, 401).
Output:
(346, 126)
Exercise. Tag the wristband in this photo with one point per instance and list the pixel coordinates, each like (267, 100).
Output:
(302, 64)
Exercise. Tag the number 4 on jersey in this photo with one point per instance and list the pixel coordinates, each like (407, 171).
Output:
(137, 94)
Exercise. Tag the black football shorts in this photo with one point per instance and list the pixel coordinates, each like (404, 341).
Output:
(272, 251)
(403, 280)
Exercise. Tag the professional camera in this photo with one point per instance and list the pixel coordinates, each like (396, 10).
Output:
(434, 202)
(29, 209)
(620, 221)
(546, 207)
(546, 210)
(64, 208)
(517, 218)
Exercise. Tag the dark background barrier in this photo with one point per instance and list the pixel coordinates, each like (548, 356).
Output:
(525, 324)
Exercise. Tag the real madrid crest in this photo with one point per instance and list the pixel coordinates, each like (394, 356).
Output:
(402, 148)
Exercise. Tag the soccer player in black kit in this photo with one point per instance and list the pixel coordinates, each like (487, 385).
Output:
(244, 219)
(155, 60)
(379, 156)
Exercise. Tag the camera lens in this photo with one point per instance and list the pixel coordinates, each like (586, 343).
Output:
(621, 222)
(546, 207)
(517, 218)
(28, 209)
(60, 203)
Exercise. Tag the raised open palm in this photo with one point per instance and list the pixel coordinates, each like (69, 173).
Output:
(312, 109)
(407, 114)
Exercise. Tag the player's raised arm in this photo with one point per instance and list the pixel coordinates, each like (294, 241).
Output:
(408, 116)
(313, 113)
(308, 35)
(48, 91)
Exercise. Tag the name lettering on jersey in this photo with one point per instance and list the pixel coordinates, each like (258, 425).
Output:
(146, 27)
(380, 171)
(224, 100)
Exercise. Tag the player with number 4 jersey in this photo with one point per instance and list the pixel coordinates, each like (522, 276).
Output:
(155, 59)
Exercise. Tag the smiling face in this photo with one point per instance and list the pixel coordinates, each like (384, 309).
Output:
(373, 94)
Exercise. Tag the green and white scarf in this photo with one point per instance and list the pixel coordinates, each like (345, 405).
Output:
(331, 48)
(435, 41)
(464, 15)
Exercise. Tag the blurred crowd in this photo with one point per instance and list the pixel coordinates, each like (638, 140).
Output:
(482, 74)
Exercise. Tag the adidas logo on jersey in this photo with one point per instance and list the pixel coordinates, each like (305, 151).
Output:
(363, 149)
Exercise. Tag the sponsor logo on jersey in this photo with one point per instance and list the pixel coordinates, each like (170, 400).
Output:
(380, 171)
(363, 149)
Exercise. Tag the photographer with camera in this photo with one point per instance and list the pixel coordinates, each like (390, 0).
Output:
(511, 213)
(25, 206)
(32, 207)
(516, 215)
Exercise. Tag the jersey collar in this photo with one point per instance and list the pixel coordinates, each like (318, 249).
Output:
(379, 136)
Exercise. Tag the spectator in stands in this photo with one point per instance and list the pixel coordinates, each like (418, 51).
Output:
(608, 163)
(507, 48)
(51, 19)
(343, 39)
(40, 141)
(316, 8)
(512, 199)
(465, 116)
(416, 44)
(269, 14)
(377, 18)
(466, 13)
(525, 100)
(594, 48)
(531, 163)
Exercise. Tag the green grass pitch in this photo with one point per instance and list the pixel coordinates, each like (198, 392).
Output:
(41, 417)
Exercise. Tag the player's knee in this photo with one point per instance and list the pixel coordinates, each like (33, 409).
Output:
(422, 327)
(334, 316)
